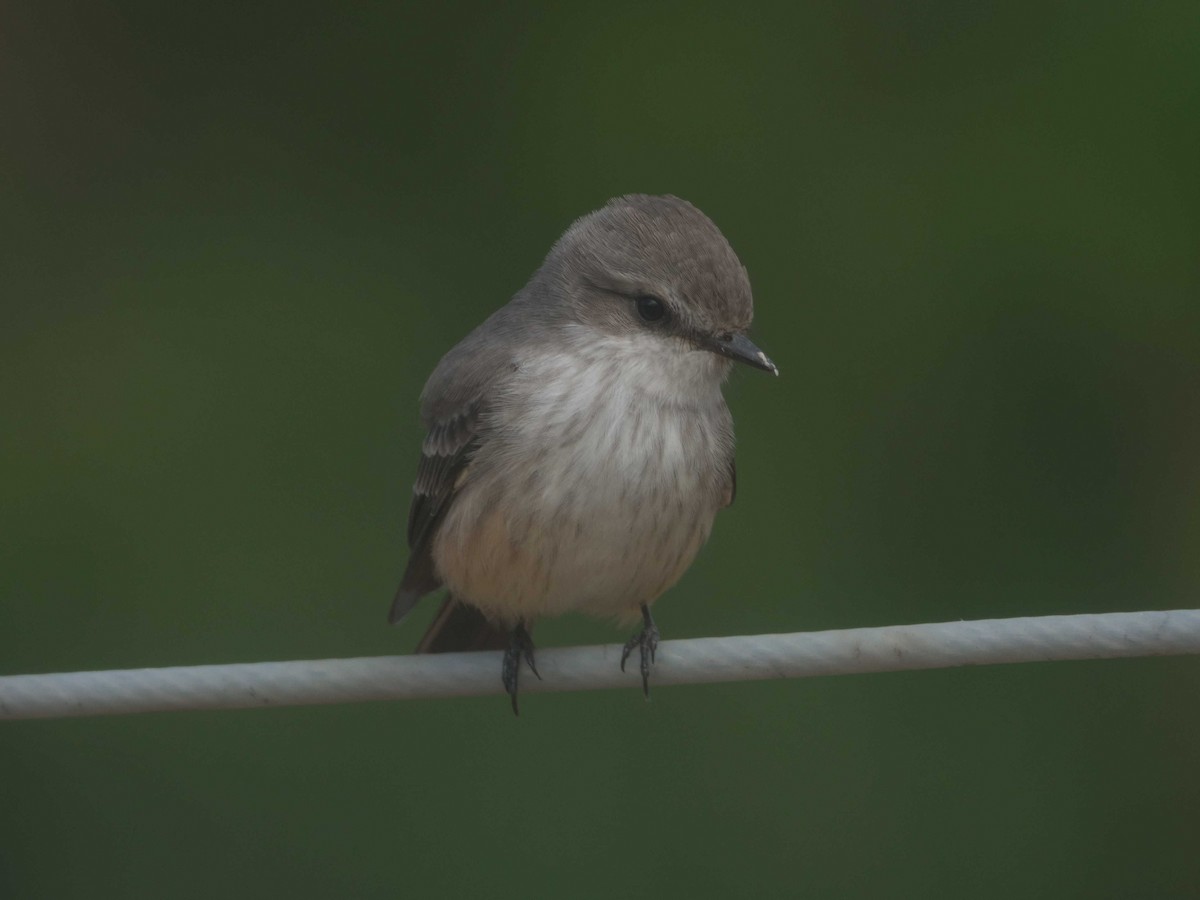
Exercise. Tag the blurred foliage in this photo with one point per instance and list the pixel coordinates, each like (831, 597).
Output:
(236, 239)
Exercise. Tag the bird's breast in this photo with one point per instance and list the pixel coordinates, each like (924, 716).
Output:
(594, 490)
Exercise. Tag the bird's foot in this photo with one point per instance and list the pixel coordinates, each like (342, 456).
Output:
(520, 646)
(646, 641)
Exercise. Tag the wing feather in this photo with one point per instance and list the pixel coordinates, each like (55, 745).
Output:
(444, 454)
(454, 408)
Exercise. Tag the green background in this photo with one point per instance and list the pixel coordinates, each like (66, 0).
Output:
(236, 240)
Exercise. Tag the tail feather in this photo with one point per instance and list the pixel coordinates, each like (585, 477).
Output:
(402, 604)
(419, 579)
(459, 627)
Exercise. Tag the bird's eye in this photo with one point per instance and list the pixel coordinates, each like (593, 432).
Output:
(651, 308)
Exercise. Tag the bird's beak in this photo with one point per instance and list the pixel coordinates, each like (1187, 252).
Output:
(740, 348)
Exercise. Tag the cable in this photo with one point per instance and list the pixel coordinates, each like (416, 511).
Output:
(746, 658)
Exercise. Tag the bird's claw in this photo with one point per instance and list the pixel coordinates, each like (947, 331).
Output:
(646, 641)
(520, 647)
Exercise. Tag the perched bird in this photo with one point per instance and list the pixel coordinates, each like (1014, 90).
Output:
(578, 445)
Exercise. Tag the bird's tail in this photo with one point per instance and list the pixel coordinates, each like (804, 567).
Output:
(460, 627)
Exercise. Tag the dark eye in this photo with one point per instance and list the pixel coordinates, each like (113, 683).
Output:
(651, 308)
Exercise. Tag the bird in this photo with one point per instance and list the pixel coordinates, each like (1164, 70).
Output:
(577, 445)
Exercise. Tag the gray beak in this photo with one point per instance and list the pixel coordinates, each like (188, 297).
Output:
(740, 348)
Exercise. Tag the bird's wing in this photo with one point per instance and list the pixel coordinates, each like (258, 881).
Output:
(454, 407)
(731, 489)
(444, 455)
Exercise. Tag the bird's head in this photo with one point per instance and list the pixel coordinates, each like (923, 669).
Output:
(654, 273)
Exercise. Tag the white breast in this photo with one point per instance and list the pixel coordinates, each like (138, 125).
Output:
(599, 481)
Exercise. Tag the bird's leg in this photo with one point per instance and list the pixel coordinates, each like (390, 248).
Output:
(646, 641)
(520, 646)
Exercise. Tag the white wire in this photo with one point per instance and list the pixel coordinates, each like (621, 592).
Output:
(746, 658)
